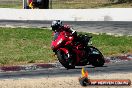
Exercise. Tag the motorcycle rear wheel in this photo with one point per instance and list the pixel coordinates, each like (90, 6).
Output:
(96, 58)
(63, 57)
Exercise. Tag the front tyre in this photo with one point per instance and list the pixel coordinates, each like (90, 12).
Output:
(95, 57)
(64, 60)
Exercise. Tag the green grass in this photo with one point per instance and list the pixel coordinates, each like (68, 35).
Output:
(32, 45)
(111, 45)
(11, 4)
(90, 5)
(25, 45)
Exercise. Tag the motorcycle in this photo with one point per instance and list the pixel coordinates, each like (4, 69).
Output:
(77, 51)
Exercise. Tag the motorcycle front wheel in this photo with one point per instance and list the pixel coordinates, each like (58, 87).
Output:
(96, 58)
(64, 60)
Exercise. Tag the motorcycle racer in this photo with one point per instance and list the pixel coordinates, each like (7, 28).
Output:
(58, 27)
(72, 49)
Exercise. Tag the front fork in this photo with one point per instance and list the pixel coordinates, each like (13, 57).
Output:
(66, 51)
(70, 57)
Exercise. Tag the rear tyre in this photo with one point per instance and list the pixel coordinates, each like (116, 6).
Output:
(64, 60)
(95, 57)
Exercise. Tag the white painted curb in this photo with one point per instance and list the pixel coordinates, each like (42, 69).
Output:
(106, 14)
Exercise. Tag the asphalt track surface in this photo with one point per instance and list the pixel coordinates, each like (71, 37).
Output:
(121, 67)
(111, 27)
(124, 28)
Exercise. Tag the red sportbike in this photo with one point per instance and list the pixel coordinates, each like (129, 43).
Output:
(77, 51)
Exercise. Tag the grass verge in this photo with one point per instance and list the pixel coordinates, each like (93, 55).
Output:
(89, 4)
(32, 45)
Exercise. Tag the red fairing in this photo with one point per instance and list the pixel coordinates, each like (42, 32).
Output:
(63, 39)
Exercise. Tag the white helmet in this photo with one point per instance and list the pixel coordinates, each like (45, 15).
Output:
(56, 24)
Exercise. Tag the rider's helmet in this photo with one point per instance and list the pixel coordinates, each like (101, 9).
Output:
(56, 24)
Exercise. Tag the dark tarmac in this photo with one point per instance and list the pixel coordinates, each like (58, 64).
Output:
(109, 27)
